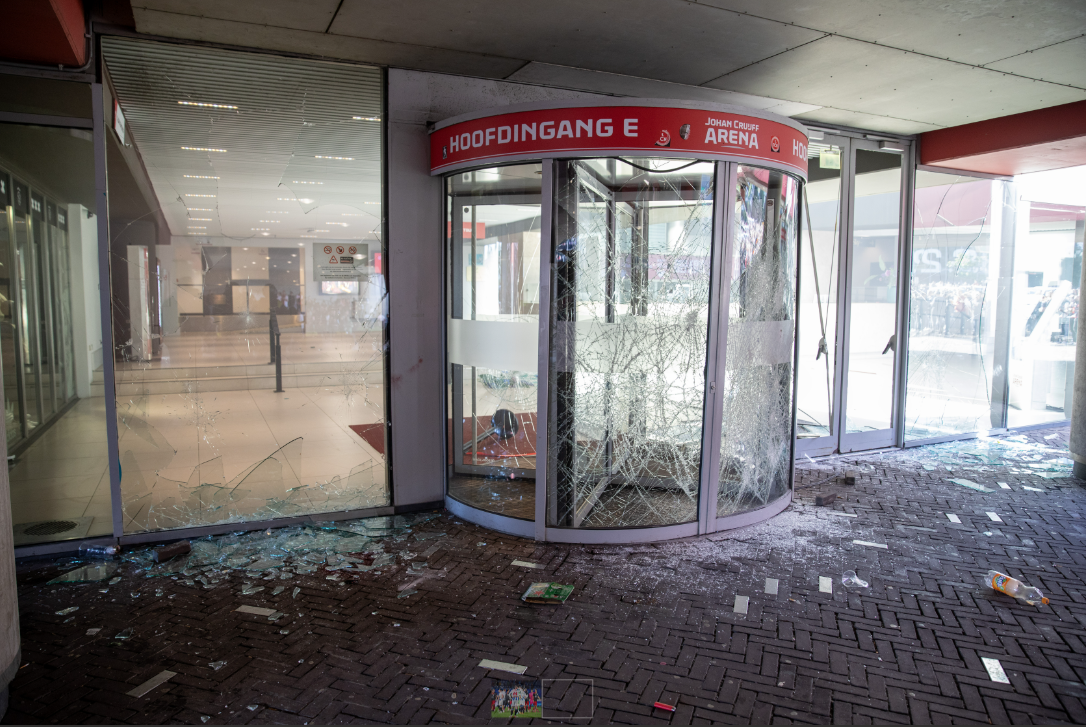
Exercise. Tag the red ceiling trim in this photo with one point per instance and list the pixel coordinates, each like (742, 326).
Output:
(44, 31)
(1043, 126)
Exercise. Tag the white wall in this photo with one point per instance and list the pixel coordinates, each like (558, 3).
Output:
(414, 265)
(86, 303)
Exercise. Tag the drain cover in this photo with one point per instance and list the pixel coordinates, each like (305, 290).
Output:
(52, 527)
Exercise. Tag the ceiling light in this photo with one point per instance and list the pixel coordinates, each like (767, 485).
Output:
(300, 244)
(198, 195)
(339, 224)
(197, 227)
(348, 214)
(197, 176)
(203, 148)
(278, 212)
(269, 221)
(366, 118)
(258, 229)
(199, 209)
(207, 105)
(321, 230)
(298, 182)
(306, 200)
(265, 234)
(340, 159)
(200, 219)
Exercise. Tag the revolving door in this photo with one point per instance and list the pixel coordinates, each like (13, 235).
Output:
(620, 343)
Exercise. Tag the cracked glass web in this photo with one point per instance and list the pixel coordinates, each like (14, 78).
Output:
(957, 288)
(255, 218)
(630, 287)
(756, 432)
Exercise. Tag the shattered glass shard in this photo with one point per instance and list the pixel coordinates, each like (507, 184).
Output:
(88, 574)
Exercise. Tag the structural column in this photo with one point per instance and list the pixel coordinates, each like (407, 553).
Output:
(1077, 445)
(9, 597)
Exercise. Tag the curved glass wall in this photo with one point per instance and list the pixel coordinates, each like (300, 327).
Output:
(665, 328)
(629, 338)
(492, 331)
(756, 440)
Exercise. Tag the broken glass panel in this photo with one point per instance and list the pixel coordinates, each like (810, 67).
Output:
(629, 336)
(756, 432)
(818, 287)
(1045, 299)
(493, 238)
(958, 295)
(248, 294)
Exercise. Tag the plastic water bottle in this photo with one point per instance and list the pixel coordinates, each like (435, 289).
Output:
(1015, 588)
(98, 551)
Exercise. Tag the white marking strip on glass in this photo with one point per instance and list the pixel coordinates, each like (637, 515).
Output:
(825, 585)
(871, 545)
(502, 666)
(995, 670)
(526, 564)
(741, 604)
(994, 518)
(1032, 489)
(151, 683)
(255, 610)
(771, 586)
(954, 518)
(1004, 485)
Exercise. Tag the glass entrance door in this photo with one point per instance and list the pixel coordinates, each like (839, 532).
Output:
(850, 297)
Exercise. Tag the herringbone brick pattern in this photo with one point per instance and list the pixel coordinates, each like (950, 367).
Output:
(645, 623)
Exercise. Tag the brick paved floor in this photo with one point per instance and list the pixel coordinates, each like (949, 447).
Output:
(645, 623)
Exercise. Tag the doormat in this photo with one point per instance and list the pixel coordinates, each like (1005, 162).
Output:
(494, 449)
(374, 434)
(49, 531)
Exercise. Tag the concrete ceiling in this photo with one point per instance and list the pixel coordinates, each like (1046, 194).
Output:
(883, 65)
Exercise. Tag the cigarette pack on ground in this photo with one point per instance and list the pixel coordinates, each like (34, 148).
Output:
(546, 593)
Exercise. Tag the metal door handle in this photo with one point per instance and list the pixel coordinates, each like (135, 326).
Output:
(891, 345)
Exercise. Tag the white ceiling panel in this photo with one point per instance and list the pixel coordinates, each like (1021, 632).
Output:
(268, 37)
(667, 41)
(977, 32)
(1061, 63)
(620, 85)
(880, 81)
(312, 15)
(859, 120)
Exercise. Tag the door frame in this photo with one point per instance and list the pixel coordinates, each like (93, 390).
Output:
(841, 441)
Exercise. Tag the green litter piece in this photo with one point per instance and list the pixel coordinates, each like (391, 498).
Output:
(546, 593)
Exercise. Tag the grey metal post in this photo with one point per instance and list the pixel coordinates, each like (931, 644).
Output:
(1077, 443)
(271, 338)
(1002, 351)
(101, 193)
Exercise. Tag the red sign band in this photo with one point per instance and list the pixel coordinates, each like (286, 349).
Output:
(610, 130)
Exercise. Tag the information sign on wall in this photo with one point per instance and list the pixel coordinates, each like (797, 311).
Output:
(341, 260)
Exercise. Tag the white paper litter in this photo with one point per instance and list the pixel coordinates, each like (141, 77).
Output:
(995, 670)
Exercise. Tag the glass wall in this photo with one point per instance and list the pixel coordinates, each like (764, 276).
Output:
(876, 215)
(756, 439)
(246, 234)
(955, 293)
(492, 332)
(50, 335)
(629, 326)
(1044, 317)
